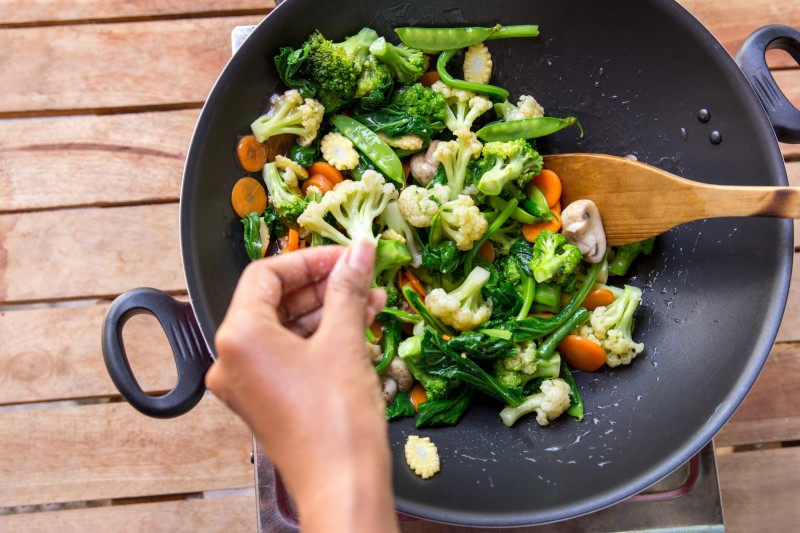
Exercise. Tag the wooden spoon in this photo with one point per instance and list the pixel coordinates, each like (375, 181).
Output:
(638, 201)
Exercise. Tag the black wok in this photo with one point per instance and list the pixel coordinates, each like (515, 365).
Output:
(636, 74)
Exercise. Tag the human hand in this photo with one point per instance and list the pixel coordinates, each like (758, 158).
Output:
(292, 362)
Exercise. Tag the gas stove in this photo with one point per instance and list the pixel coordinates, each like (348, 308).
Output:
(687, 500)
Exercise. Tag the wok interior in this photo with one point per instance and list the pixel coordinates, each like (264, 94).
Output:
(635, 75)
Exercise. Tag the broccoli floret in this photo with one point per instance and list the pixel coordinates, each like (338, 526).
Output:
(393, 296)
(518, 369)
(390, 256)
(461, 221)
(506, 162)
(464, 307)
(436, 388)
(549, 403)
(455, 157)
(374, 83)
(506, 236)
(354, 205)
(612, 327)
(335, 67)
(554, 259)
(286, 200)
(407, 64)
(625, 255)
(423, 103)
(463, 107)
(527, 107)
(290, 113)
(419, 205)
(393, 219)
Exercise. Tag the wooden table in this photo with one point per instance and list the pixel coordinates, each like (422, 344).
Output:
(98, 100)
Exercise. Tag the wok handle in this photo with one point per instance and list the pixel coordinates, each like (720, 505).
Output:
(751, 58)
(192, 356)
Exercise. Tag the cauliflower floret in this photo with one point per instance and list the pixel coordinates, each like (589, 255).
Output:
(463, 107)
(527, 107)
(611, 327)
(419, 205)
(392, 235)
(284, 163)
(462, 222)
(478, 64)
(455, 156)
(290, 113)
(525, 359)
(354, 205)
(406, 142)
(464, 307)
(549, 403)
(338, 150)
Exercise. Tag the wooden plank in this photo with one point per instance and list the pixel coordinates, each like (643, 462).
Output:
(65, 362)
(769, 412)
(223, 514)
(30, 12)
(93, 160)
(92, 252)
(103, 451)
(119, 66)
(760, 491)
(732, 21)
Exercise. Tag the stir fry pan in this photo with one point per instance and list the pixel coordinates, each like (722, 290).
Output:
(644, 79)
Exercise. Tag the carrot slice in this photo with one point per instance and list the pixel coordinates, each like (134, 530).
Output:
(581, 353)
(376, 329)
(319, 181)
(416, 284)
(417, 395)
(531, 231)
(549, 183)
(487, 251)
(429, 78)
(248, 196)
(597, 298)
(251, 154)
(327, 170)
(293, 242)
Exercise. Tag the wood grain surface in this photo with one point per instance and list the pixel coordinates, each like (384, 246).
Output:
(98, 101)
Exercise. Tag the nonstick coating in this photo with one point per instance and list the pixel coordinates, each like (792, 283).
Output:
(635, 74)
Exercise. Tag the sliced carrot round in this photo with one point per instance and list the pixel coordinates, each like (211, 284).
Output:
(248, 196)
(597, 298)
(531, 231)
(487, 251)
(549, 183)
(251, 154)
(581, 353)
(429, 78)
(325, 169)
(319, 181)
(417, 395)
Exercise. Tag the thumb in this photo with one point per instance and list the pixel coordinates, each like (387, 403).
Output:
(347, 295)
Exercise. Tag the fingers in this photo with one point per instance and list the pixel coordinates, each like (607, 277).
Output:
(305, 325)
(348, 293)
(265, 283)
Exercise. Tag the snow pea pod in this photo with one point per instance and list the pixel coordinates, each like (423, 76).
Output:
(495, 94)
(377, 151)
(527, 128)
(438, 39)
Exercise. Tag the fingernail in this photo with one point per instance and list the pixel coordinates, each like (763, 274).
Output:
(361, 256)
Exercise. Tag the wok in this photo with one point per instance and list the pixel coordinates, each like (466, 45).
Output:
(636, 74)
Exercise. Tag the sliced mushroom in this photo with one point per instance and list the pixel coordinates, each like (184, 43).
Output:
(388, 389)
(400, 373)
(374, 352)
(423, 167)
(582, 226)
